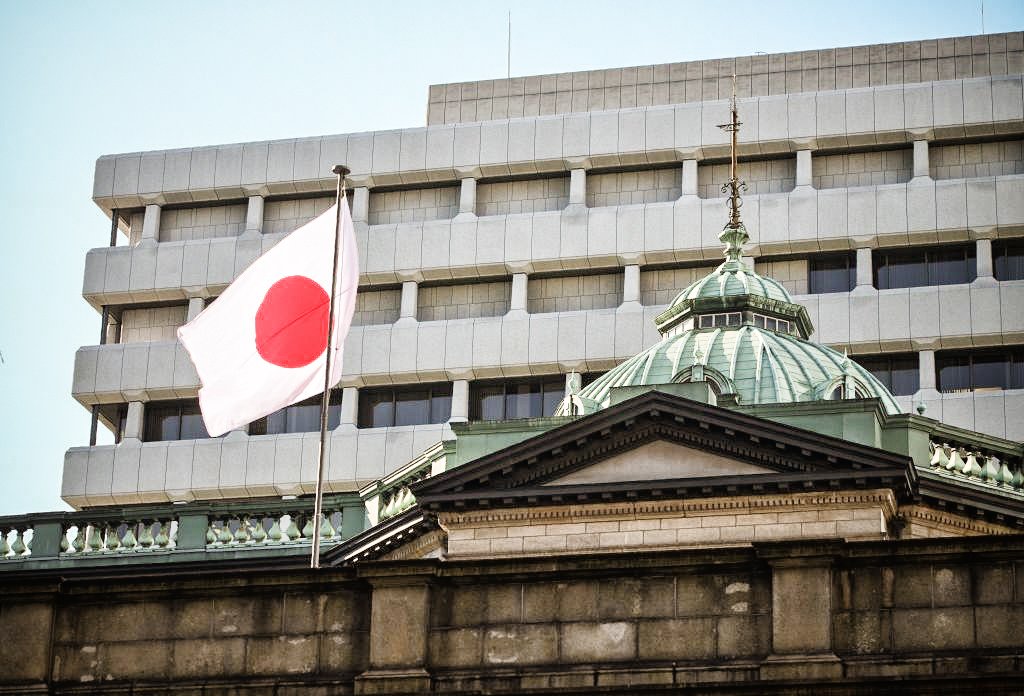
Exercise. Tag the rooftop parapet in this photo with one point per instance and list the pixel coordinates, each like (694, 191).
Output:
(761, 74)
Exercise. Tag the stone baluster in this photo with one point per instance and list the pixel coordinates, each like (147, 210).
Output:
(274, 536)
(111, 542)
(5, 548)
(293, 532)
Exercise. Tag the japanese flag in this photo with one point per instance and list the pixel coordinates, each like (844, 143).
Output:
(262, 345)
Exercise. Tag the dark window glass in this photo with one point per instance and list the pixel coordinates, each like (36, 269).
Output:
(899, 373)
(303, 417)
(832, 273)
(180, 420)
(412, 407)
(122, 422)
(910, 268)
(982, 369)
(1009, 259)
(517, 398)
(416, 405)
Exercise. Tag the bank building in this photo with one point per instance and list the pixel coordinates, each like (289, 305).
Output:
(648, 390)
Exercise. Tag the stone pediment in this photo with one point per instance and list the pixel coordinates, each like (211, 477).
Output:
(659, 445)
(659, 461)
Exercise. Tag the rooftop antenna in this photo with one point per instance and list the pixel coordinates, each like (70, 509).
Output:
(508, 63)
(982, 16)
(734, 235)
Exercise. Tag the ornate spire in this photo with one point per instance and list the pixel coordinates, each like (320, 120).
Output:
(734, 235)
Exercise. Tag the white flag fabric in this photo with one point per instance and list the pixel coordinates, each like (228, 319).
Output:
(262, 345)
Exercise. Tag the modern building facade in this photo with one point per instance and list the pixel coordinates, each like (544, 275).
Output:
(573, 449)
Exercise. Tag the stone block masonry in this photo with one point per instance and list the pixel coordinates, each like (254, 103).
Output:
(869, 611)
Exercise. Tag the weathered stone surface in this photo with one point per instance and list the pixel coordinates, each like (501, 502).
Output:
(25, 637)
(208, 658)
(561, 601)
(1000, 626)
(802, 605)
(456, 647)
(744, 636)
(677, 639)
(597, 642)
(521, 645)
(630, 598)
(931, 629)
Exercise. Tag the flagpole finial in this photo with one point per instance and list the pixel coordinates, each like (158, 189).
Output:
(341, 170)
(733, 235)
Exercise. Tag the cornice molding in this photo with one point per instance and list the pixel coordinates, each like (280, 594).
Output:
(793, 502)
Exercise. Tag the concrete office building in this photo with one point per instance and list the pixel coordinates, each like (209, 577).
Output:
(537, 226)
(572, 448)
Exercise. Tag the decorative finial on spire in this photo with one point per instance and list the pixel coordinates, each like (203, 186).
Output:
(734, 235)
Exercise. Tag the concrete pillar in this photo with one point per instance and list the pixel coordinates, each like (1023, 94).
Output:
(578, 187)
(520, 283)
(195, 306)
(254, 217)
(467, 197)
(802, 617)
(926, 370)
(349, 406)
(398, 658)
(151, 225)
(360, 204)
(689, 177)
(410, 295)
(921, 158)
(460, 401)
(983, 256)
(803, 168)
(865, 273)
(631, 284)
(135, 421)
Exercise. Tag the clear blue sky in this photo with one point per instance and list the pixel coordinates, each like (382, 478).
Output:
(82, 79)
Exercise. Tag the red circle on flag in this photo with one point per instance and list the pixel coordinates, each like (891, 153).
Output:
(291, 323)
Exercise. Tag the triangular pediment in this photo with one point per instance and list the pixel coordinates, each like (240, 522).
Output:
(659, 461)
(661, 445)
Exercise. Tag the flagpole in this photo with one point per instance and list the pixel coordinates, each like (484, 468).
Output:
(314, 561)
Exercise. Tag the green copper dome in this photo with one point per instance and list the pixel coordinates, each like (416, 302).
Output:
(745, 336)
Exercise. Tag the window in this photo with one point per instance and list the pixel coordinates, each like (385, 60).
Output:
(831, 273)
(303, 417)
(899, 373)
(412, 405)
(911, 268)
(515, 398)
(1008, 258)
(770, 323)
(980, 370)
(175, 420)
(715, 320)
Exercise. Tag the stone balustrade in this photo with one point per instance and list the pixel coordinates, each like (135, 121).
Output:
(186, 532)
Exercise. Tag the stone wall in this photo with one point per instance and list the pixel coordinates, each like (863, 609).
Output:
(463, 301)
(152, 323)
(793, 273)
(208, 222)
(977, 159)
(862, 168)
(659, 286)
(762, 176)
(754, 618)
(523, 196)
(414, 205)
(626, 188)
(287, 215)
(612, 527)
(238, 628)
(377, 307)
(576, 292)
